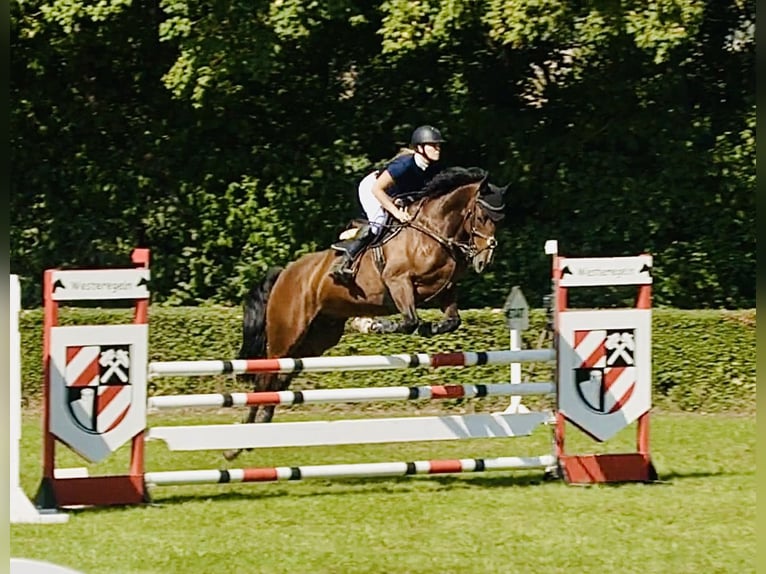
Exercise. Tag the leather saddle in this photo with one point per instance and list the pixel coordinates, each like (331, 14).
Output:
(390, 228)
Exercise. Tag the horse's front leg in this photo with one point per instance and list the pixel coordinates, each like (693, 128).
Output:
(449, 323)
(403, 295)
(407, 325)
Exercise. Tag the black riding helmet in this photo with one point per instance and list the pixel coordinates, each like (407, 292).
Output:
(426, 135)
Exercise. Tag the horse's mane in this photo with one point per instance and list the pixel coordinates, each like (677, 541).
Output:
(452, 178)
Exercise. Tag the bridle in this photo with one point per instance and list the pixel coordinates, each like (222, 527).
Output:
(467, 249)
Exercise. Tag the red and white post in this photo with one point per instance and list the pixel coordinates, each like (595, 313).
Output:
(603, 378)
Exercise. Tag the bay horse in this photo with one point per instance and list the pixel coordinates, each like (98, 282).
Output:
(301, 310)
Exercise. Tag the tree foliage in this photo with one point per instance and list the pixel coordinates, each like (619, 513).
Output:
(229, 136)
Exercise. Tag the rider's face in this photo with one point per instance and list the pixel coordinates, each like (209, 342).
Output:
(432, 151)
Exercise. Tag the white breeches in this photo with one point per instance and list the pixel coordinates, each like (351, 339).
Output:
(375, 212)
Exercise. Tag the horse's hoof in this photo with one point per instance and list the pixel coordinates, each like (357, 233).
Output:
(376, 327)
(426, 330)
(551, 474)
(230, 454)
(362, 324)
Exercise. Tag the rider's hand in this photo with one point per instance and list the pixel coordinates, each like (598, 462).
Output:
(403, 216)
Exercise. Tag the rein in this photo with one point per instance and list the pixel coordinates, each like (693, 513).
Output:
(455, 248)
(467, 250)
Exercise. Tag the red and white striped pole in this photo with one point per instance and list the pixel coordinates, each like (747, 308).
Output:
(431, 392)
(281, 473)
(347, 363)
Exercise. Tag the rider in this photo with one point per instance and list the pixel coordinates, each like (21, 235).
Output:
(408, 172)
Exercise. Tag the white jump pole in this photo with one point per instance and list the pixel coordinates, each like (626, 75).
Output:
(22, 509)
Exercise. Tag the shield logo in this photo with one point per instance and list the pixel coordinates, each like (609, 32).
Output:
(606, 374)
(99, 392)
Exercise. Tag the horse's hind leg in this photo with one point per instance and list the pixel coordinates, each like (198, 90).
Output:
(250, 381)
(273, 383)
(263, 413)
(323, 333)
(252, 413)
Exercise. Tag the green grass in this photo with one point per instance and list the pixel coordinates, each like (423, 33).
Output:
(700, 518)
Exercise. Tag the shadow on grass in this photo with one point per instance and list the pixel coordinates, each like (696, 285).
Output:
(397, 485)
(680, 475)
(390, 485)
(334, 487)
(366, 487)
(670, 478)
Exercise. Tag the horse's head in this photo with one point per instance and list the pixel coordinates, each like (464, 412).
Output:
(463, 214)
(486, 211)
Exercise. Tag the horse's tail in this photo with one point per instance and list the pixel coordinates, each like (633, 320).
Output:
(254, 319)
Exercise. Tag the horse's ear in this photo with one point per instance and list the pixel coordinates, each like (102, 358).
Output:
(495, 190)
(484, 184)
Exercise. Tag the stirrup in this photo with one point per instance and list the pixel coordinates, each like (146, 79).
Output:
(343, 269)
(343, 275)
(340, 246)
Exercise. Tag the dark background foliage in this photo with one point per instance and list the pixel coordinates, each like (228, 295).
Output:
(228, 136)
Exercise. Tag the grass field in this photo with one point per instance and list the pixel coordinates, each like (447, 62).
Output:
(699, 518)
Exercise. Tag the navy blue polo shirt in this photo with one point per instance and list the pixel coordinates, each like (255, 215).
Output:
(407, 176)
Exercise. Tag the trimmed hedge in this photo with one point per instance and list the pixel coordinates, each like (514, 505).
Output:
(702, 360)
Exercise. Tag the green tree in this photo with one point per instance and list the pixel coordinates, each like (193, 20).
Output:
(229, 136)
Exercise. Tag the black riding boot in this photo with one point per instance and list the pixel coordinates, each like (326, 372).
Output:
(343, 269)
